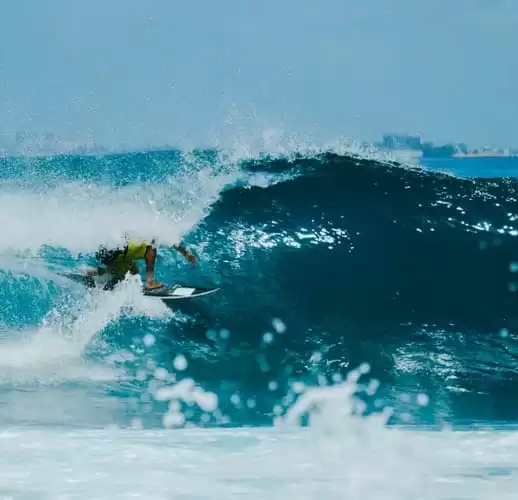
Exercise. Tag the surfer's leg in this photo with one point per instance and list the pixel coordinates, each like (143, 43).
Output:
(150, 259)
(94, 271)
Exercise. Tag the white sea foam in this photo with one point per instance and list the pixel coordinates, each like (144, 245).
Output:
(54, 351)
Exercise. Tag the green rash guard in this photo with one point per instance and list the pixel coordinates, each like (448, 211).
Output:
(123, 263)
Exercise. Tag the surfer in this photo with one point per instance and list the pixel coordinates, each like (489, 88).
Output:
(120, 261)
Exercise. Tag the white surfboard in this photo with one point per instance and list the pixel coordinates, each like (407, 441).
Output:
(175, 292)
(165, 293)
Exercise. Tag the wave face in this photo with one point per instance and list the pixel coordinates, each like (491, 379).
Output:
(325, 262)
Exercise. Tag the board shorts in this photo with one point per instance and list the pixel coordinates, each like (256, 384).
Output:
(120, 261)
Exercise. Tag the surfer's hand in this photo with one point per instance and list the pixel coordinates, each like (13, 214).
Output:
(191, 258)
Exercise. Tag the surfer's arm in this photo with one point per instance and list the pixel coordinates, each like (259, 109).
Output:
(186, 254)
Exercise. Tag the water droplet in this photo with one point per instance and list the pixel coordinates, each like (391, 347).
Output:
(268, 338)
(372, 387)
(364, 368)
(206, 400)
(298, 387)
(161, 374)
(149, 339)
(224, 334)
(422, 399)
(278, 325)
(180, 363)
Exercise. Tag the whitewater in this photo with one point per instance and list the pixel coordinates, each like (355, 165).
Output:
(362, 345)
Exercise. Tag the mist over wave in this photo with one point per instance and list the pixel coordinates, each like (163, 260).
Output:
(325, 261)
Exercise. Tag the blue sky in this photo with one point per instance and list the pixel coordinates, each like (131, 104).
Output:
(143, 73)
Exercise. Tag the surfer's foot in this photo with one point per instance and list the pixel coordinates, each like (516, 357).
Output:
(153, 285)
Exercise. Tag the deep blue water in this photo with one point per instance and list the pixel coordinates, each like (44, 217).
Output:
(339, 260)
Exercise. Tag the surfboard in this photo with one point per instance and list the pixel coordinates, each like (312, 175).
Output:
(175, 292)
(165, 293)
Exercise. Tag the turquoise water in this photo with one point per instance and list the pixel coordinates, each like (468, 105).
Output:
(254, 392)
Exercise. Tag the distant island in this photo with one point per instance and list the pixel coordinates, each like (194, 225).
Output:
(414, 144)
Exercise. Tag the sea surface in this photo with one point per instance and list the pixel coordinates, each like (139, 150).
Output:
(363, 343)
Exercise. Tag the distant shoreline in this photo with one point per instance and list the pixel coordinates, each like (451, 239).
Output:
(484, 154)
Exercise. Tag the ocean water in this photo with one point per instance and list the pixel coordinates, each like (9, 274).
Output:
(362, 345)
